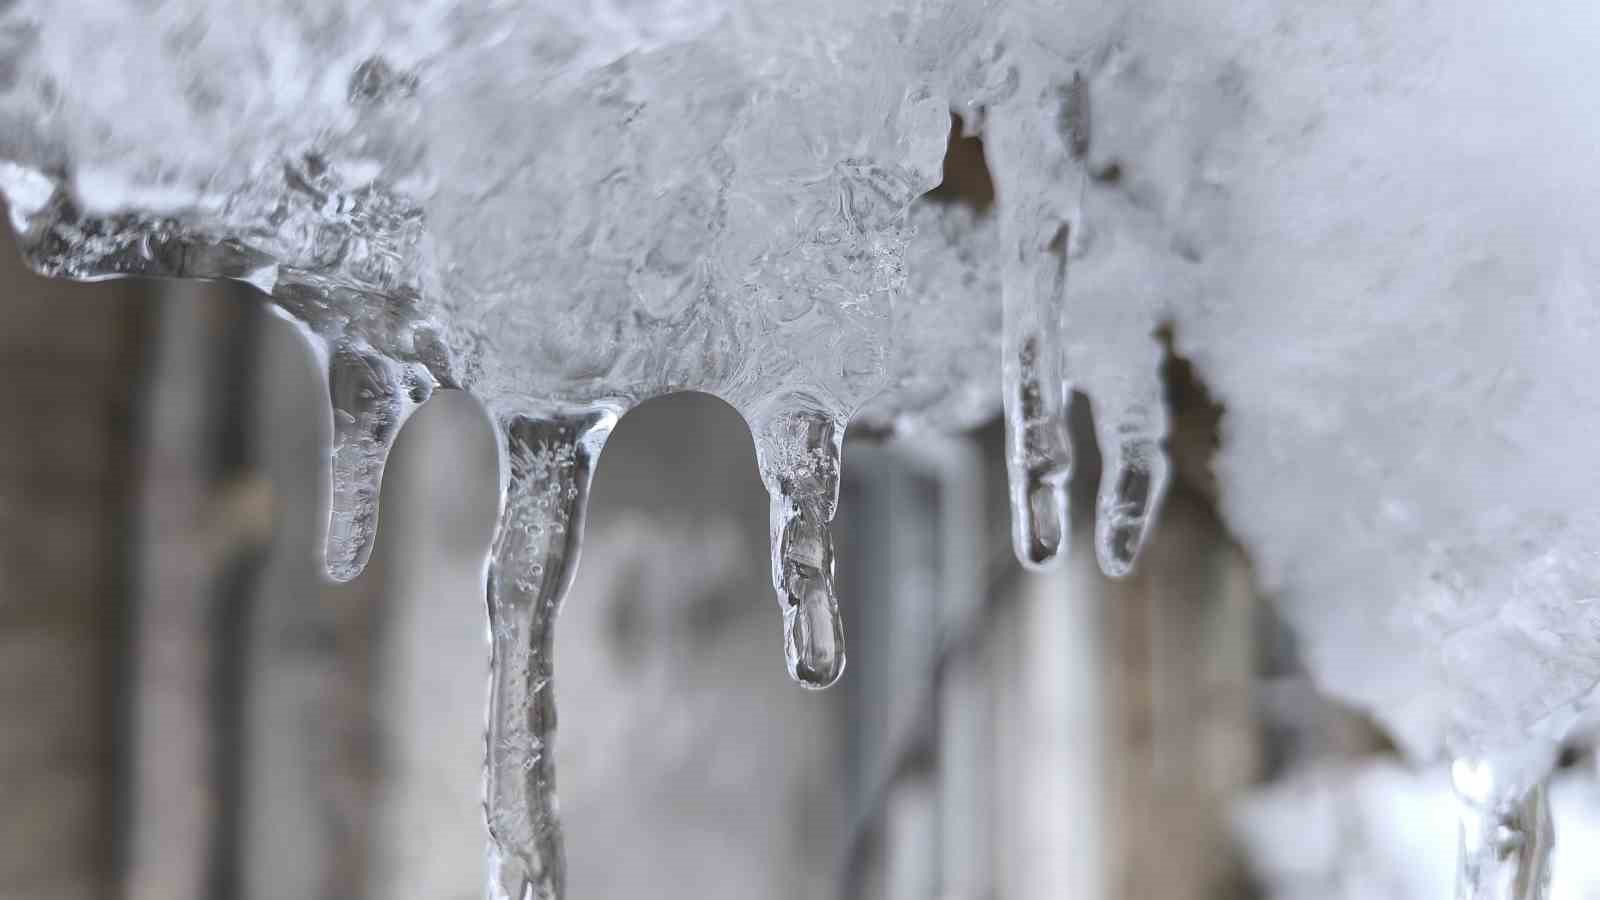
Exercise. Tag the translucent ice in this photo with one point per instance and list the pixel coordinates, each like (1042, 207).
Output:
(551, 461)
(798, 448)
(745, 233)
(1371, 228)
(1506, 833)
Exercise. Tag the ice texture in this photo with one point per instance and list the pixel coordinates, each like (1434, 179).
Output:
(1371, 227)
(531, 566)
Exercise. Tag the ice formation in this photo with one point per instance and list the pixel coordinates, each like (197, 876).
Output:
(1377, 830)
(1370, 227)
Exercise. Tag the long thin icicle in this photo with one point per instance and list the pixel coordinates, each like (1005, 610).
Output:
(1036, 228)
(549, 463)
(799, 448)
(372, 397)
(1506, 832)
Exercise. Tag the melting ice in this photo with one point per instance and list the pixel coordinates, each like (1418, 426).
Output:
(1372, 229)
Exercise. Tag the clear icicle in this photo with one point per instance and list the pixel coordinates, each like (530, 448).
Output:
(1038, 218)
(371, 396)
(549, 464)
(799, 449)
(1506, 833)
(1038, 454)
(1133, 479)
(1038, 450)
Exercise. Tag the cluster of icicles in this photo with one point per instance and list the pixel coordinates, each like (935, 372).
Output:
(404, 294)
(547, 462)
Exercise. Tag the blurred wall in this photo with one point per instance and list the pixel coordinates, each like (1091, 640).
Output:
(72, 360)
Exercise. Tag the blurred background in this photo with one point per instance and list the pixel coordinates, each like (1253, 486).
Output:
(189, 712)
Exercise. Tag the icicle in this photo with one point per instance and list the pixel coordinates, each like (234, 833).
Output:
(1047, 131)
(372, 396)
(799, 447)
(548, 464)
(1038, 451)
(1506, 831)
(1133, 479)
(1036, 237)
(1038, 454)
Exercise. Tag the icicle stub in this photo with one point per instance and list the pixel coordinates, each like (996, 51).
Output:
(1506, 832)
(372, 396)
(1039, 455)
(548, 465)
(799, 448)
(1133, 479)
